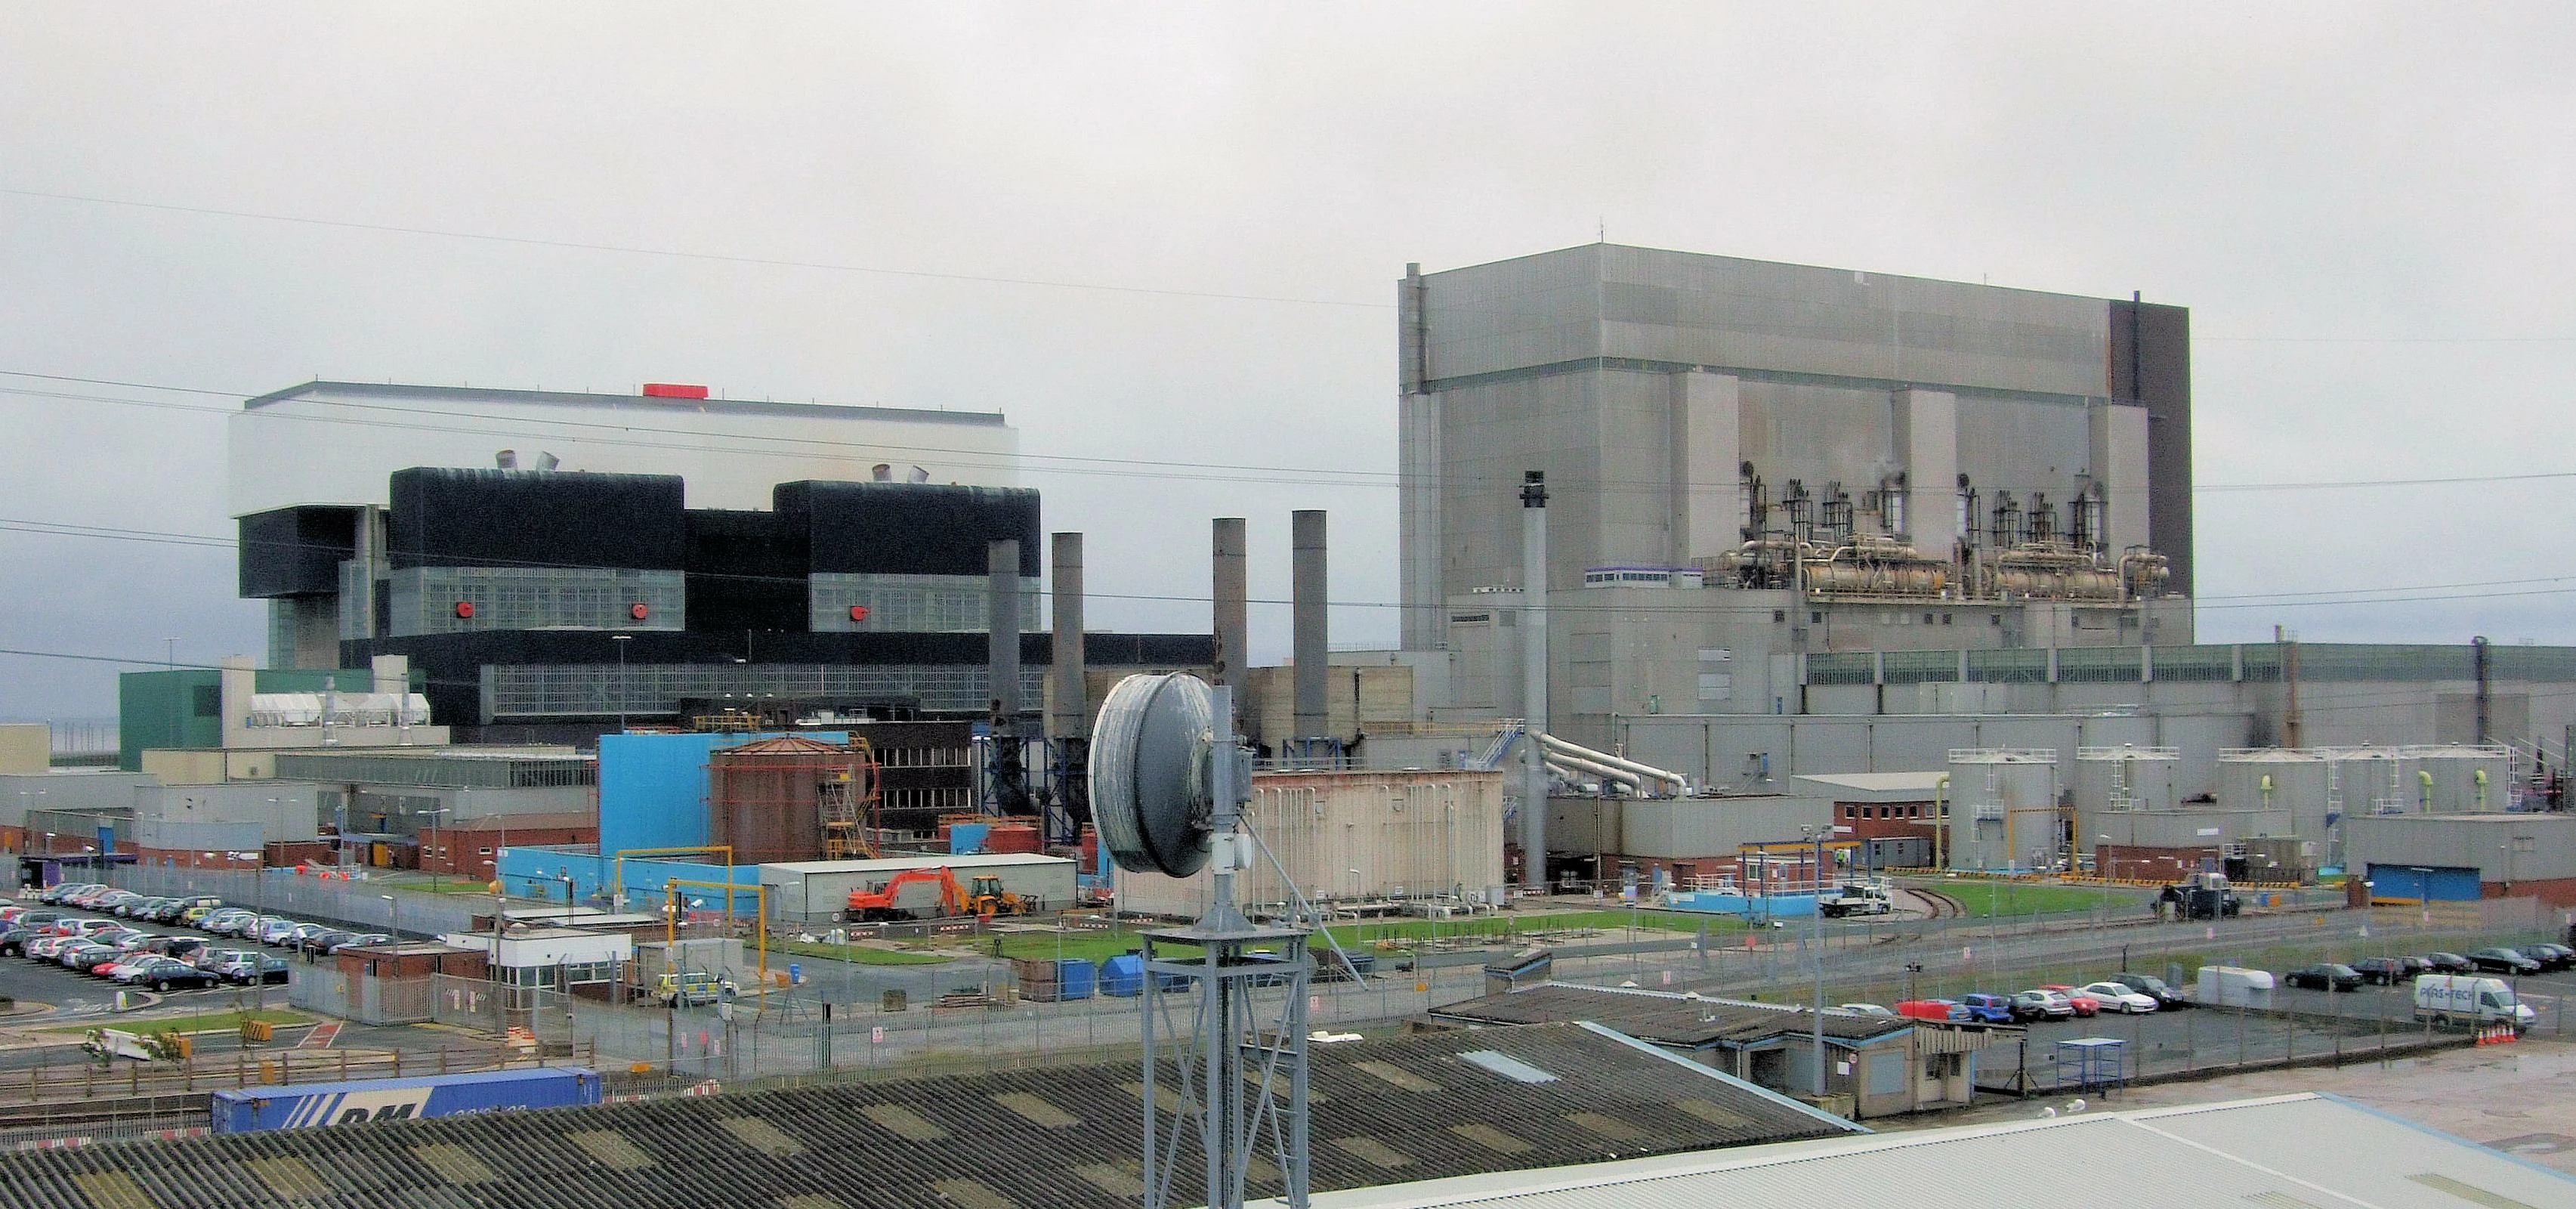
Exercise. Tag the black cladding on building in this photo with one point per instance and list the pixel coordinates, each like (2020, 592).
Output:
(747, 579)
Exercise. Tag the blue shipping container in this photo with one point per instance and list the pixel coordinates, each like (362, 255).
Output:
(252, 1109)
(967, 839)
(1073, 978)
(1123, 976)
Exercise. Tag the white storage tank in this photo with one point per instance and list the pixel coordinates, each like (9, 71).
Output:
(2372, 780)
(2289, 780)
(2003, 809)
(2461, 778)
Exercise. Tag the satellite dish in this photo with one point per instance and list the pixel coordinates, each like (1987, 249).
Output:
(1149, 773)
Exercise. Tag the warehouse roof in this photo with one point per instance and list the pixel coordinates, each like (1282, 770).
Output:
(896, 864)
(2290, 1152)
(1429, 1106)
(1904, 783)
(1687, 1021)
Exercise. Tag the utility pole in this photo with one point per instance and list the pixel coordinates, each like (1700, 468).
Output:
(1816, 912)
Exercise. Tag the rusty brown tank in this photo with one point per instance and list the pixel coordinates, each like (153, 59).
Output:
(764, 798)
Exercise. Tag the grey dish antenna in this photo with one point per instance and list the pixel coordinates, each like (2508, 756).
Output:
(1150, 774)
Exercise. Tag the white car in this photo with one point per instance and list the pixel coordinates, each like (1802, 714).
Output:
(2117, 998)
(1866, 1009)
(274, 930)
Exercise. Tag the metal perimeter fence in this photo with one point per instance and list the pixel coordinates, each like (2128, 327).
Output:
(356, 904)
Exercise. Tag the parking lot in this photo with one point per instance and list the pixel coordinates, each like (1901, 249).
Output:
(2302, 1026)
(34, 981)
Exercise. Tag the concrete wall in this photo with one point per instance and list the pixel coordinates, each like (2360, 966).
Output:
(1758, 753)
(818, 892)
(1716, 827)
(2502, 848)
(274, 810)
(1416, 834)
(25, 747)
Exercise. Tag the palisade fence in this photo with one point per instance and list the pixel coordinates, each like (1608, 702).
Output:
(355, 904)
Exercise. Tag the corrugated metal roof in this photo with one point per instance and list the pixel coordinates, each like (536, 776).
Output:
(2307, 1149)
(1664, 1018)
(1033, 1139)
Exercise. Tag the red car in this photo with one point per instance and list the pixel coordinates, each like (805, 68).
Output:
(2085, 1005)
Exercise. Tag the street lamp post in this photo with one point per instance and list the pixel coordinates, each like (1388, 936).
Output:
(393, 916)
(2106, 877)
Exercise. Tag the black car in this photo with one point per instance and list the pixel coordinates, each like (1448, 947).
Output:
(13, 943)
(2324, 976)
(323, 942)
(2448, 963)
(163, 973)
(2550, 956)
(2390, 971)
(2167, 999)
(2502, 961)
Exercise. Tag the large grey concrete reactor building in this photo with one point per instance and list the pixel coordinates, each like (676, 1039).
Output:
(1853, 461)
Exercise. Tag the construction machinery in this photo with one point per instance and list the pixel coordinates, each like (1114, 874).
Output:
(987, 898)
(878, 905)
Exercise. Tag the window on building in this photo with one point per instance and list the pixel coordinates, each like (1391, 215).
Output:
(1779, 615)
(1945, 619)
(482, 852)
(1816, 617)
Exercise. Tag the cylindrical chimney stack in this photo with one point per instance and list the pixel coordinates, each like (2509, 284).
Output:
(1069, 707)
(1306, 620)
(1534, 678)
(1002, 625)
(1233, 621)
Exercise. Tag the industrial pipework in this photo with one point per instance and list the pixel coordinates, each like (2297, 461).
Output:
(1558, 749)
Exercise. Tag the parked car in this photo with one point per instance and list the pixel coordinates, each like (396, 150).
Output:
(36, 919)
(2550, 956)
(1867, 1009)
(162, 974)
(87, 957)
(225, 921)
(304, 932)
(318, 943)
(2324, 976)
(213, 959)
(41, 947)
(192, 916)
(2388, 971)
(14, 942)
(2085, 1005)
(2037, 1004)
(1933, 1009)
(2449, 963)
(360, 941)
(2502, 960)
(1988, 1009)
(54, 893)
(254, 967)
(2117, 998)
(2167, 999)
(273, 930)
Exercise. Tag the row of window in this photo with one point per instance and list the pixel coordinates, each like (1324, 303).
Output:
(1893, 810)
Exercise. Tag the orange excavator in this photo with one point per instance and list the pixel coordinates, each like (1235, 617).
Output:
(874, 906)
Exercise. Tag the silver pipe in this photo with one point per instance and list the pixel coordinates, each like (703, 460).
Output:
(1557, 746)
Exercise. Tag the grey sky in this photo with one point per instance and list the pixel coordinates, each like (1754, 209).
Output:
(2326, 177)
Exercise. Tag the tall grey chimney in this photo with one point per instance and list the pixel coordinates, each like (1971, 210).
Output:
(1068, 709)
(1233, 623)
(1306, 621)
(1002, 622)
(1534, 678)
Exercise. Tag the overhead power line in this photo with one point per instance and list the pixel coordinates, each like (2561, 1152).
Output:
(626, 435)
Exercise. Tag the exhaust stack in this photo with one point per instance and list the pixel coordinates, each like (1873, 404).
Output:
(1534, 679)
(1068, 707)
(1306, 551)
(1233, 621)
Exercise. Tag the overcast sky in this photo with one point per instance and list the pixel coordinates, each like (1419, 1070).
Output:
(2368, 209)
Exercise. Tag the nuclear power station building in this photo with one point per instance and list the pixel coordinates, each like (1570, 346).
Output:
(1749, 462)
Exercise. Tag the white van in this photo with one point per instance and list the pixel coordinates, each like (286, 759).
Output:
(2444, 998)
